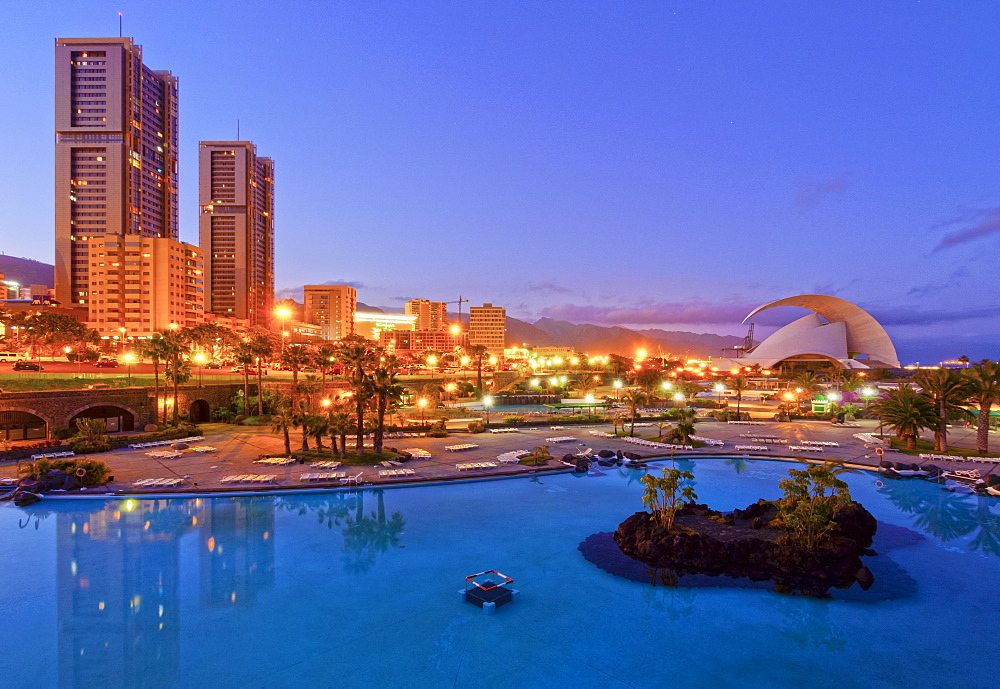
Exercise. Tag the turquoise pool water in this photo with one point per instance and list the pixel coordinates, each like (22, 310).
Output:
(360, 590)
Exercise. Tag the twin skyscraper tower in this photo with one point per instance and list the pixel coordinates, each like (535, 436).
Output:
(118, 252)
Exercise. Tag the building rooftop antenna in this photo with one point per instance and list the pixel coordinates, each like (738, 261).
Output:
(119, 25)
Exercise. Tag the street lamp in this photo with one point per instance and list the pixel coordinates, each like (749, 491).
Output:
(200, 358)
(129, 358)
(123, 331)
(487, 403)
(283, 314)
(421, 403)
(679, 397)
(719, 388)
(618, 386)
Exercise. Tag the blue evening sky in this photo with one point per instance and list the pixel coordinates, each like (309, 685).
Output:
(657, 164)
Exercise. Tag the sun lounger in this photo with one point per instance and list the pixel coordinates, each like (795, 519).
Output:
(561, 439)
(460, 448)
(355, 480)
(417, 453)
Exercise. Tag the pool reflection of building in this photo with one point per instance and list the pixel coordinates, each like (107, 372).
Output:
(236, 551)
(118, 582)
(118, 594)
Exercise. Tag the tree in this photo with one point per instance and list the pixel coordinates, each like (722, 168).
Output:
(907, 412)
(177, 369)
(244, 356)
(262, 345)
(387, 391)
(739, 384)
(807, 385)
(213, 338)
(984, 378)
(339, 422)
(357, 356)
(665, 496)
(811, 498)
(295, 357)
(947, 389)
(634, 399)
(282, 420)
(323, 359)
(477, 353)
(156, 349)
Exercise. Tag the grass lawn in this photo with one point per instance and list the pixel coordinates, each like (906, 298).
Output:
(350, 458)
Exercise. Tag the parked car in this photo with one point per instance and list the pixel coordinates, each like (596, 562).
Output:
(107, 363)
(27, 366)
(213, 364)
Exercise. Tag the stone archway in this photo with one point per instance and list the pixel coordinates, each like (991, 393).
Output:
(22, 425)
(116, 417)
(200, 411)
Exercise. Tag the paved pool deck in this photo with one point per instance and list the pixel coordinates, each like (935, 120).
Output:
(238, 447)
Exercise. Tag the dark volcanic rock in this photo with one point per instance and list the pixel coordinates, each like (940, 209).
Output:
(704, 541)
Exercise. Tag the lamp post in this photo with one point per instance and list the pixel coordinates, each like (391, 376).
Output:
(129, 358)
(487, 403)
(123, 331)
(421, 403)
(720, 388)
(200, 358)
(283, 314)
(618, 386)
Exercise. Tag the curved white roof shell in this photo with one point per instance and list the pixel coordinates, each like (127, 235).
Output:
(849, 331)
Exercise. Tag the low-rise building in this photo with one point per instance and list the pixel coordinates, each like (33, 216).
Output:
(488, 327)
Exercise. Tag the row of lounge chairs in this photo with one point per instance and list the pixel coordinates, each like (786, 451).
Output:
(756, 448)
(158, 443)
(276, 461)
(602, 434)
(805, 448)
(708, 441)
(513, 456)
(396, 473)
(561, 439)
(476, 465)
(821, 443)
(323, 476)
(201, 449)
(51, 455)
(746, 423)
(249, 478)
(404, 434)
(764, 439)
(325, 465)
(460, 448)
(165, 454)
(417, 453)
(869, 438)
(505, 430)
(157, 483)
(953, 458)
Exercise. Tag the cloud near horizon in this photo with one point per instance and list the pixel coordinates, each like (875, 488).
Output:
(988, 223)
(811, 193)
(650, 313)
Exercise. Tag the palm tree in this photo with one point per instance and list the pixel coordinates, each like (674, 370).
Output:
(319, 425)
(301, 417)
(340, 425)
(634, 399)
(282, 420)
(947, 389)
(244, 355)
(985, 379)
(154, 348)
(262, 345)
(907, 412)
(808, 383)
(323, 359)
(387, 391)
(477, 353)
(740, 385)
(295, 357)
(357, 356)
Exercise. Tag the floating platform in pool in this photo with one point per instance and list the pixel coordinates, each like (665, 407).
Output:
(489, 590)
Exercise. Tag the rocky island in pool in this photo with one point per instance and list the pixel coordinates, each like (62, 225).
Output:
(807, 542)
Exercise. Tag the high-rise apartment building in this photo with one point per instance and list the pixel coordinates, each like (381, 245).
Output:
(488, 327)
(431, 315)
(332, 308)
(115, 154)
(141, 285)
(236, 229)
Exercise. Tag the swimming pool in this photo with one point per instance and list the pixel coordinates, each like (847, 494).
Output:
(361, 590)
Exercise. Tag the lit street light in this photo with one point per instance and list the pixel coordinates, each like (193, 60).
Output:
(618, 386)
(719, 388)
(200, 358)
(421, 403)
(487, 403)
(129, 358)
(283, 314)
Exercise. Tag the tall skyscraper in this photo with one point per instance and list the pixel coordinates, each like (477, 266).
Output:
(332, 308)
(116, 154)
(236, 229)
(488, 327)
(431, 316)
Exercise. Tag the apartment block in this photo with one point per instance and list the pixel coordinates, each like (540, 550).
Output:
(331, 307)
(372, 324)
(431, 315)
(488, 327)
(236, 230)
(141, 285)
(115, 154)
(414, 342)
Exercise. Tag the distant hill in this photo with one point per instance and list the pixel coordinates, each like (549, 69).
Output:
(26, 271)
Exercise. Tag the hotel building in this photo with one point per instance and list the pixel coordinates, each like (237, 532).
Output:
(236, 230)
(431, 315)
(115, 155)
(372, 324)
(488, 327)
(332, 308)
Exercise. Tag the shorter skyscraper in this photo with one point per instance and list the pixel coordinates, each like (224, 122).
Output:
(141, 285)
(488, 327)
(332, 308)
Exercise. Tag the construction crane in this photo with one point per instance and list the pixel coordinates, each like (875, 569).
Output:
(459, 301)
(740, 349)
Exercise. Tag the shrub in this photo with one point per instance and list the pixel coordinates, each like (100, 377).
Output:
(239, 420)
(437, 434)
(513, 419)
(223, 414)
(87, 447)
(61, 432)
(96, 470)
(539, 456)
(477, 427)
